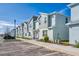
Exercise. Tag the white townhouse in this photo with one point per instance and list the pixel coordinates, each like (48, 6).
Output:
(52, 25)
(74, 23)
(57, 30)
(31, 27)
(16, 31)
(20, 31)
(41, 26)
(25, 29)
(36, 31)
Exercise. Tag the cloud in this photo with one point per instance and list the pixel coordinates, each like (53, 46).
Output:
(5, 23)
(1, 26)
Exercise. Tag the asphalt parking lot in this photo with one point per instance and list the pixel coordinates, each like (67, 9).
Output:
(19, 48)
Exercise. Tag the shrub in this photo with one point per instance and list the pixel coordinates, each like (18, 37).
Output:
(77, 45)
(64, 40)
(46, 38)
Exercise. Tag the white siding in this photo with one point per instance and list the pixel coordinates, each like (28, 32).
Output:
(43, 25)
(75, 13)
(53, 20)
(41, 33)
(74, 29)
(58, 28)
(61, 28)
(43, 18)
(30, 26)
(74, 34)
(37, 25)
(25, 30)
(50, 34)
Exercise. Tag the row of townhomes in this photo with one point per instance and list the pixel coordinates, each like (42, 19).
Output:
(55, 25)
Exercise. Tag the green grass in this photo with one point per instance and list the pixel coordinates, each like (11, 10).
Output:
(65, 43)
(77, 45)
(27, 38)
(11, 40)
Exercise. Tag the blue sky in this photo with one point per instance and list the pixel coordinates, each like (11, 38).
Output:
(23, 11)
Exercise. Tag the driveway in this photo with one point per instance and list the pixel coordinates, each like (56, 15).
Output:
(20, 48)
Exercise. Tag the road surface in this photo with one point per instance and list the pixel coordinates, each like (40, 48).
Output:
(19, 48)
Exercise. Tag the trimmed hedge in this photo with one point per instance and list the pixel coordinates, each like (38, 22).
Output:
(46, 38)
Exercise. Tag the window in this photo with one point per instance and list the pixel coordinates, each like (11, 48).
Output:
(29, 34)
(66, 20)
(44, 32)
(45, 20)
(25, 34)
(39, 23)
(49, 21)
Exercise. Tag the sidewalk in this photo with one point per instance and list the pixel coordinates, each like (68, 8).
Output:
(65, 49)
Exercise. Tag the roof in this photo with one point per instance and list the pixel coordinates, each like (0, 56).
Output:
(54, 13)
(72, 5)
(73, 22)
(33, 19)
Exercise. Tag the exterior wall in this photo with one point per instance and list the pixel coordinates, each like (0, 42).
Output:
(74, 28)
(75, 13)
(51, 20)
(36, 31)
(42, 24)
(31, 26)
(41, 33)
(25, 29)
(43, 20)
(57, 28)
(36, 25)
(16, 32)
(62, 31)
(73, 34)
(51, 24)
(50, 34)
(20, 31)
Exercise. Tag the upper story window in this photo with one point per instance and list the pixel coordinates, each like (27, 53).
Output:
(45, 20)
(66, 20)
(49, 21)
(44, 32)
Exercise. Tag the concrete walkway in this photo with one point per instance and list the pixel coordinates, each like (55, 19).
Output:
(65, 49)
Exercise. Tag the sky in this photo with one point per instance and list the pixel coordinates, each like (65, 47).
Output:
(24, 11)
